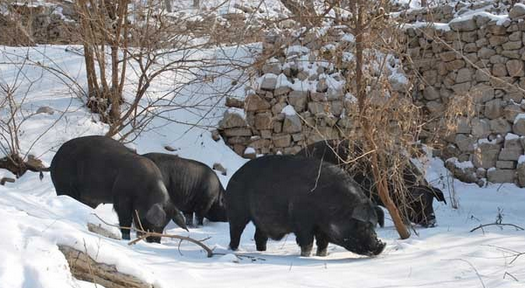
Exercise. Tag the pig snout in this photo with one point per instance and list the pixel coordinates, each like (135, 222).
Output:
(380, 246)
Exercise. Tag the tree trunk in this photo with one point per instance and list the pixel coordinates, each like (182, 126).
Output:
(83, 267)
(382, 187)
(196, 4)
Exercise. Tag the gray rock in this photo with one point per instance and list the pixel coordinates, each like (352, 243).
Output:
(298, 100)
(519, 127)
(463, 26)
(292, 124)
(520, 171)
(465, 143)
(274, 68)
(316, 108)
(464, 75)
(430, 93)
(510, 154)
(512, 45)
(485, 158)
(517, 12)
(505, 164)
(461, 88)
(496, 29)
(513, 144)
(322, 86)
(500, 126)
(278, 107)
(480, 128)
(263, 121)
(482, 93)
(501, 176)
(336, 107)
(435, 108)
(318, 97)
(515, 68)
(515, 36)
(493, 109)
(497, 40)
(259, 143)
(450, 55)
(232, 120)
(499, 70)
(269, 83)
(282, 90)
(454, 65)
(486, 53)
(483, 75)
(255, 103)
(237, 132)
(282, 140)
(511, 111)
(463, 126)
(513, 54)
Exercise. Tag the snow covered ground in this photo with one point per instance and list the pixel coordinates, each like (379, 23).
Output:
(34, 220)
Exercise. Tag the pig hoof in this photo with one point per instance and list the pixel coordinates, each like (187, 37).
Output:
(305, 252)
(261, 248)
(321, 253)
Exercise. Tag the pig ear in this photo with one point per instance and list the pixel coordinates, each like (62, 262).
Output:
(365, 213)
(438, 194)
(156, 215)
(179, 219)
(176, 216)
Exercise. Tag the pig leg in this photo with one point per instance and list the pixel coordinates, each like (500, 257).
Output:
(125, 218)
(322, 244)
(305, 239)
(201, 211)
(236, 228)
(260, 240)
(189, 218)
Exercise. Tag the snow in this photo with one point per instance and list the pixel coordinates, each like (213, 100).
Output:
(521, 159)
(288, 110)
(460, 165)
(519, 117)
(249, 150)
(35, 220)
(511, 136)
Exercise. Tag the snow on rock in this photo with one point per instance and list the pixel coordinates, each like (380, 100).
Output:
(460, 165)
(519, 117)
(511, 136)
(249, 150)
(288, 110)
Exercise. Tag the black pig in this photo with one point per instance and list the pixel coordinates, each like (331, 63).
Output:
(97, 169)
(284, 194)
(192, 186)
(420, 194)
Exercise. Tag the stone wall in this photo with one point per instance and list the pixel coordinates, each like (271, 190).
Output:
(29, 24)
(482, 57)
(297, 100)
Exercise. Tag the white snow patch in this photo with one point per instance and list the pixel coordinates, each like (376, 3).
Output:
(511, 136)
(519, 117)
(288, 110)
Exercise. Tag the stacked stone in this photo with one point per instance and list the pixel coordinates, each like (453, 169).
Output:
(50, 23)
(485, 59)
(280, 117)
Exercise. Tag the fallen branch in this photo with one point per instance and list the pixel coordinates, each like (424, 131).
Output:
(146, 234)
(83, 267)
(98, 229)
(500, 225)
